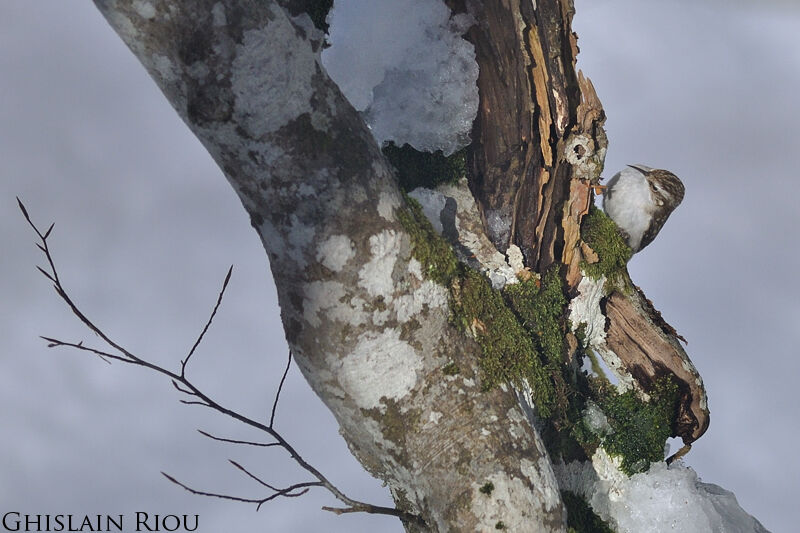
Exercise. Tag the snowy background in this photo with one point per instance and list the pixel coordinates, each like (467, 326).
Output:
(146, 227)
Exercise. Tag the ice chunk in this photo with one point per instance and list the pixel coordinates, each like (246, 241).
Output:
(404, 65)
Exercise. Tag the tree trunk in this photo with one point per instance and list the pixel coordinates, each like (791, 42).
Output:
(385, 325)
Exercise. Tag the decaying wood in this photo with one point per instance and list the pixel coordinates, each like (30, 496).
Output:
(538, 148)
(649, 353)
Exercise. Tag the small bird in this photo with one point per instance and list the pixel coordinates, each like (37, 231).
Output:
(639, 200)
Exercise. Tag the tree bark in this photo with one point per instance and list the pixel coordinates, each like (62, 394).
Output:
(369, 325)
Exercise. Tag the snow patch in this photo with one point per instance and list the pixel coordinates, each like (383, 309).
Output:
(467, 229)
(432, 203)
(335, 252)
(381, 366)
(666, 498)
(404, 65)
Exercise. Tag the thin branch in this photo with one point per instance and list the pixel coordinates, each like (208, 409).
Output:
(105, 356)
(278, 393)
(195, 402)
(181, 389)
(264, 483)
(404, 516)
(184, 385)
(208, 323)
(288, 492)
(234, 441)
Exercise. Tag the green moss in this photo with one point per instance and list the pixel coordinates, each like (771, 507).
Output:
(640, 429)
(425, 169)
(509, 352)
(487, 488)
(580, 516)
(540, 307)
(450, 369)
(521, 334)
(438, 260)
(500, 525)
(603, 236)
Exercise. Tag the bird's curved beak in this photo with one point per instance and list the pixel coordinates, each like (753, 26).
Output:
(642, 168)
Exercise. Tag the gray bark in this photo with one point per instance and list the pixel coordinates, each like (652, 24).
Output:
(369, 331)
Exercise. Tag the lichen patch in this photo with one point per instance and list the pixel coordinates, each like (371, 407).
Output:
(380, 366)
(335, 252)
(387, 203)
(376, 275)
(267, 94)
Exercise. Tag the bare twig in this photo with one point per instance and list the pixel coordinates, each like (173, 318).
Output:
(288, 492)
(105, 356)
(208, 323)
(185, 386)
(278, 393)
(234, 441)
(267, 485)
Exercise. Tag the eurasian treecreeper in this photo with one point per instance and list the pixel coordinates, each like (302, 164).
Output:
(639, 199)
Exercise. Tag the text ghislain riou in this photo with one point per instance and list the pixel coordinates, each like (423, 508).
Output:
(141, 521)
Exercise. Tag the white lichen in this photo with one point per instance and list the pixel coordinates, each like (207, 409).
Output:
(146, 10)
(335, 252)
(218, 14)
(332, 299)
(584, 310)
(268, 95)
(428, 295)
(515, 258)
(540, 474)
(387, 203)
(376, 274)
(299, 238)
(165, 68)
(514, 501)
(415, 76)
(380, 366)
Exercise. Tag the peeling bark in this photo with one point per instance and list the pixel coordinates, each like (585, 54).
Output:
(539, 147)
